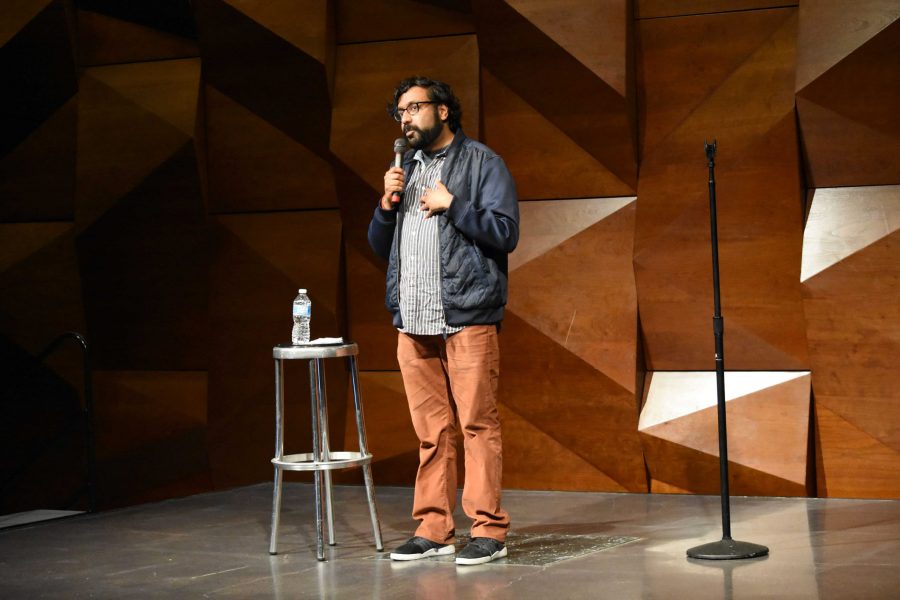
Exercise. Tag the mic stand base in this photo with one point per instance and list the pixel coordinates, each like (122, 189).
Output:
(727, 549)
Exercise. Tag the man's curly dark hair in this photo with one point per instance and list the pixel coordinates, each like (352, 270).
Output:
(438, 92)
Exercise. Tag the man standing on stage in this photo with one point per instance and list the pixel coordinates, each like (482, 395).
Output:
(446, 242)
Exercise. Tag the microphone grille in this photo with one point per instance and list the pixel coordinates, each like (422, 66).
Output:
(400, 145)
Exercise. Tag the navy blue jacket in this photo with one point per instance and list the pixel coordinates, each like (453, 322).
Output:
(477, 232)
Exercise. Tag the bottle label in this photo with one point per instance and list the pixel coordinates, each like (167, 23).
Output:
(302, 310)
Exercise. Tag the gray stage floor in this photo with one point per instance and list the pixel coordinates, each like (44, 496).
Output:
(564, 545)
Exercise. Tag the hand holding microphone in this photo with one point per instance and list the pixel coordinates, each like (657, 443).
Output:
(394, 178)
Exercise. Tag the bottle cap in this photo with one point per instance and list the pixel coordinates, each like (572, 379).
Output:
(301, 291)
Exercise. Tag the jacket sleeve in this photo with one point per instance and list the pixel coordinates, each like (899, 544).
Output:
(493, 220)
(381, 231)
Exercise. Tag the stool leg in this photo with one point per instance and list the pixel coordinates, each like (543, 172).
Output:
(363, 449)
(329, 508)
(276, 512)
(320, 523)
(279, 452)
(314, 402)
(373, 507)
(326, 454)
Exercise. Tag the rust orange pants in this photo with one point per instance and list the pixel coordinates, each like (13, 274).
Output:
(446, 379)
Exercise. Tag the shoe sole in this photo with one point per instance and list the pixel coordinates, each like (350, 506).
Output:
(442, 551)
(501, 553)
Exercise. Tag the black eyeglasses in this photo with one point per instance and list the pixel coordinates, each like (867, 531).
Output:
(412, 108)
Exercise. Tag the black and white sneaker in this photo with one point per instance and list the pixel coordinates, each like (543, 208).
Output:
(419, 547)
(481, 550)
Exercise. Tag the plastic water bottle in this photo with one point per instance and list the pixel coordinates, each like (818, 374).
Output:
(302, 315)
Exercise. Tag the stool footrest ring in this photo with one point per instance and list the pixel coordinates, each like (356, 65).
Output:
(306, 461)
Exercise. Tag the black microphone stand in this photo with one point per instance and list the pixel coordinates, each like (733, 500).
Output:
(726, 548)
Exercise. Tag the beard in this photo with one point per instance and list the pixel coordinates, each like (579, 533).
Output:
(423, 138)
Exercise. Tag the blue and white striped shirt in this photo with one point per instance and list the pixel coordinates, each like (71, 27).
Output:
(420, 262)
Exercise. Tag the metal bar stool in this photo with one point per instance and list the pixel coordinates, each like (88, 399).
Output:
(322, 460)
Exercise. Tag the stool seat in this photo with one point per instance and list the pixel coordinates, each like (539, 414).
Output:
(307, 351)
(322, 460)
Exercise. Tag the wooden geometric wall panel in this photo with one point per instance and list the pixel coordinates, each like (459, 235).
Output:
(851, 461)
(41, 409)
(172, 16)
(143, 266)
(579, 409)
(138, 181)
(848, 92)
(268, 104)
(577, 287)
(16, 16)
(843, 221)
(121, 141)
(545, 161)
(669, 94)
(828, 33)
(572, 313)
(583, 57)
(42, 292)
(18, 241)
(167, 89)
(567, 21)
(747, 104)
(308, 26)
(545, 225)
(37, 177)
(381, 20)
(112, 32)
(259, 262)
(37, 112)
(768, 426)
(853, 321)
(150, 435)
(651, 9)
(254, 166)
(37, 61)
(278, 73)
(532, 459)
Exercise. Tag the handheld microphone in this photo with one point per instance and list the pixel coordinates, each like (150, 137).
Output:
(399, 149)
